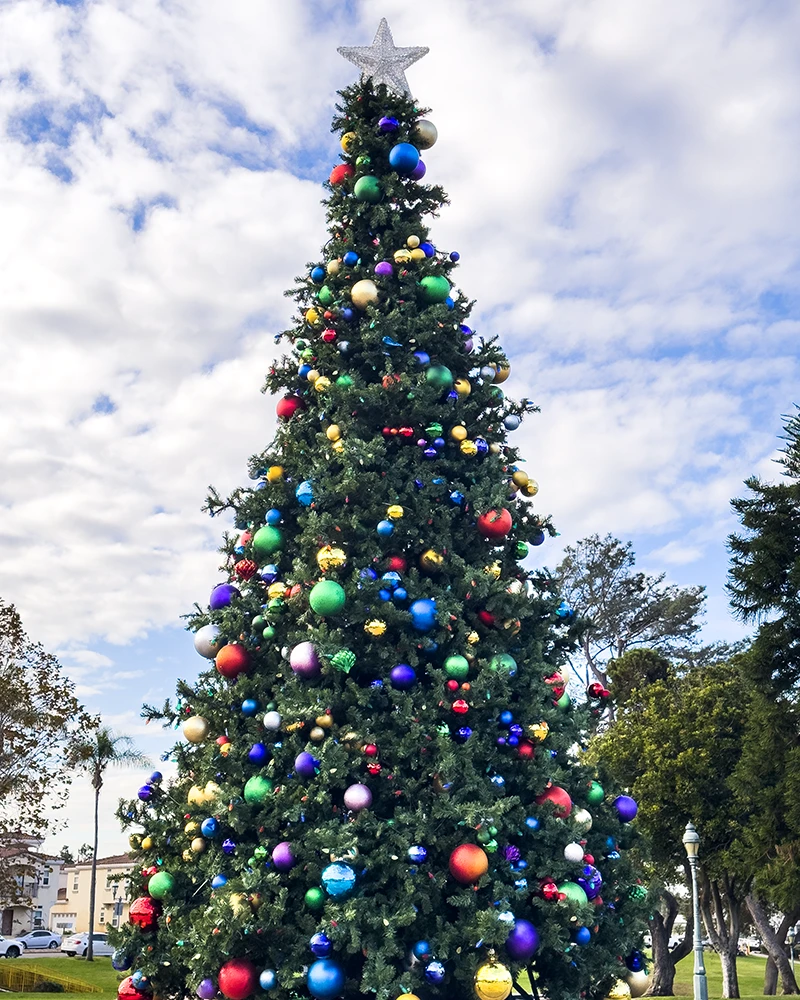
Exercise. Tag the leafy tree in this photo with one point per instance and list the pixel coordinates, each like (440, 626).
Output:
(94, 755)
(636, 669)
(621, 608)
(66, 855)
(85, 854)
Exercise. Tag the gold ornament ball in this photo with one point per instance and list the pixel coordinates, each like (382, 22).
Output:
(638, 983)
(619, 991)
(376, 627)
(469, 448)
(493, 981)
(313, 375)
(520, 478)
(324, 721)
(333, 266)
(347, 140)
(147, 843)
(538, 730)
(329, 557)
(195, 796)
(473, 638)
(503, 371)
(187, 855)
(394, 511)
(333, 433)
(195, 729)
(424, 134)
(531, 488)
(198, 845)
(462, 387)
(274, 473)
(458, 433)
(312, 316)
(494, 448)
(317, 734)
(413, 242)
(191, 829)
(417, 254)
(402, 256)
(364, 293)
(512, 625)
(431, 560)
(337, 446)
(493, 570)
(134, 841)
(322, 383)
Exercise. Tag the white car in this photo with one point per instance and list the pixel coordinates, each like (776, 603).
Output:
(40, 939)
(78, 943)
(11, 948)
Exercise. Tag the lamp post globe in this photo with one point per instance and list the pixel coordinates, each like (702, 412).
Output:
(691, 841)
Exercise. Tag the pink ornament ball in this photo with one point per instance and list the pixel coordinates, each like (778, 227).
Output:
(304, 660)
(357, 797)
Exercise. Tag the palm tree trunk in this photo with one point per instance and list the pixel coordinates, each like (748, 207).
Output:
(93, 890)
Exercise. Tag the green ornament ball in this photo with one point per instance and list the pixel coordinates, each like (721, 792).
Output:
(267, 540)
(268, 633)
(368, 188)
(439, 376)
(502, 663)
(325, 296)
(564, 702)
(160, 885)
(574, 893)
(522, 550)
(314, 898)
(596, 793)
(434, 288)
(257, 790)
(456, 667)
(327, 598)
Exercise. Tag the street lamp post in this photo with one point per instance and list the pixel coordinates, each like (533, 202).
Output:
(790, 937)
(691, 841)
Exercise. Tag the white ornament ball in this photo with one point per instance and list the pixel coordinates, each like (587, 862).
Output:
(195, 729)
(272, 720)
(638, 983)
(582, 818)
(573, 853)
(206, 641)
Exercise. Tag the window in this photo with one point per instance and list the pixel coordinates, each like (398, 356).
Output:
(44, 878)
(102, 915)
(37, 917)
(75, 881)
(109, 883)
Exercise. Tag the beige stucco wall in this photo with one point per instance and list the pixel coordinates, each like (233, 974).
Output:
(72, 914)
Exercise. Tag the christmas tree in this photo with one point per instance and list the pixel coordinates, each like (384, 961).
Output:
(381, 787)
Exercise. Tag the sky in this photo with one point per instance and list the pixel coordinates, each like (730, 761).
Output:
(624, 197)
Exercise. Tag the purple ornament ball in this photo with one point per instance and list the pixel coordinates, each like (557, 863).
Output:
(388, 124)
(306, 764)
(468, 345)
(523, 941)
(626, 807)
(222, 595)
(145, 793)
(282, 856)
(418, 172)
(206, 989)
(383, 267)
(357, 797)
(402, 677)
(304, 661)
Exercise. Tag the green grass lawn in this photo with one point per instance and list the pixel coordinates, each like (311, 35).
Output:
(750, 969)
(97, 973)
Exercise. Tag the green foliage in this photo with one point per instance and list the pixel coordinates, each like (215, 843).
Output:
(433, 782)
(634, 670)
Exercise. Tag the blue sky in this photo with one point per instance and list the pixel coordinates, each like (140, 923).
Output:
(624, 199)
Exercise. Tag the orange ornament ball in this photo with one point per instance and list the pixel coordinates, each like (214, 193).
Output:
(341, 173)
(232, 660)
(467, 863)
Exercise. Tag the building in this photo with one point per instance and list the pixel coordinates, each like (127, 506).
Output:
(70, 914)
(30, 885)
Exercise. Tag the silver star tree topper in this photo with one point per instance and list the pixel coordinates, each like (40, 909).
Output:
(382, 61)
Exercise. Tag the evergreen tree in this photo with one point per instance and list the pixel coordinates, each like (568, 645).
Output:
(382, 788)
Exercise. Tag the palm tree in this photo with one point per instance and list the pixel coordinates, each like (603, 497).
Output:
(101, 749)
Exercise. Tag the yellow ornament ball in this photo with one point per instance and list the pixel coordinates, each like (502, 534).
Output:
(187, 855)
(333, 266)
(347, 140)
(330, 557)
(394, 511)
(312, 375)
(333, 433)
(619, 991)
(520, 478)
(147, 843)
(191, 829)
(538, 730)
(458, 433)
(431, 560)
(493, 570)
(337, 446)
(473, 638)
(276, 589)
(195, 729)
(503, 371)
(462, 387)
(134, 841)
(418, 254)
(198, 845)
(364, 293)
(494, 448)
(402, 256)
(413, 242)
(469, 448)
(312, 316)
(324, 721)
(225, 749)
(274, 473)
(322, 383)
(492, 981)
(531, 488)
(375, 627)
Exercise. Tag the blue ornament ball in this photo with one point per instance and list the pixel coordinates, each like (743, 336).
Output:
(388, 124)
(391, 580)
(455, 256)
(511, 422)
(218, 881)
(325, 979)
(583, 936)
(635, 961)
(140, 981)
(428, 249)
(399, 595)
(421, 949)
(145, 793)
(155, 778)
(258, 754)
(403, 157)
(350, 259)
(338, 879)
(423, 614)
(403, 677)
(422, 357)
(417, 854)
(269, 574)
(208, 827)
(320, 945)
(273, 515)
(268, 979)
(537, 538)
(462, 734)
(506, 718)
(228, 846)
(121, 960)
(434, 972)
(249, 706)
(305, 493)
(385, 528)
(318, 275)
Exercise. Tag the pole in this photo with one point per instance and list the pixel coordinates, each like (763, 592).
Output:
(700, 981)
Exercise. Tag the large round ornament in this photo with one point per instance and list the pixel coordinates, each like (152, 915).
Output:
(283, 857)
(493, 981)
(434, 288)
(338, 879)
(403, 677)
(206, 641)
(560, 799)
(626, 807)
(440, 377)
(121, 960)
(325, 979)
(364, 293)
(403, 157)
(357, 797)
(222, 595)
(330, 557)
(503, 663)
(195, 729)
(340, 173)
(368, 189)
(456, 667)
(304, 660)
(288, 406)
(619, 991)
(468, 863)
(144, 913)
(232, 660)
(257, 790)
(574, 893)
(128, 991)
(327, 598)
(424, 133)
(267, 540)
(495, 523)
(160, 885)
(523, 941)
(638, 983)
(238, 978)
(423, 614)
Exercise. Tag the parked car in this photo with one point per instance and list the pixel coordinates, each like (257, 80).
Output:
(40, 939)
(11, 948)
(78, 943)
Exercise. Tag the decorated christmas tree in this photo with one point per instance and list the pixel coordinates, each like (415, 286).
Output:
(380, 788)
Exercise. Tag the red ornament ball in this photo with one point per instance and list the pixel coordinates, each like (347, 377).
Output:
(560, 799)
(245, 568)
(467, 863)
(397, 564)
(486, 618)
(549, 891)
(144, 913)
(525, 750)
(495, 523)
(374, 767)
(460, 707)
(328, 335)
(340, 173)
(238, 979)
(288, 406)
(127, 991)
(452, 685)
(371, 750)
(232, 660)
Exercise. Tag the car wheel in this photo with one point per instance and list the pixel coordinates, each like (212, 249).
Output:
(70, 954)
(52, 945)
(13, 952)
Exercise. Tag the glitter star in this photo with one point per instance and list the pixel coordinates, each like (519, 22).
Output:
(383, 62)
